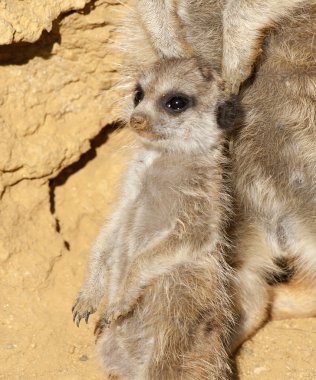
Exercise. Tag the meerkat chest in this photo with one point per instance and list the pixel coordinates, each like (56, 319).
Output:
(154, 210)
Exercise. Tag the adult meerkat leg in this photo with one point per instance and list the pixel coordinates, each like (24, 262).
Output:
(254, 301)
(253, 293)
(163, 26)
(244, 23)
(296, 299)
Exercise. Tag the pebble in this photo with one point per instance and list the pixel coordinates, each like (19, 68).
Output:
(259, 370)
(10, 346)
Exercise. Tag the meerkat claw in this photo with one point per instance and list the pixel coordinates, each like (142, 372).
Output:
(74, 306)
(82, 309)
(78, 320)
(86, 316)
(111, 316)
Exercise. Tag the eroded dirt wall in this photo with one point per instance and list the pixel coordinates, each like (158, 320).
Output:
(25, 20)
(61, 158)
(56, 105)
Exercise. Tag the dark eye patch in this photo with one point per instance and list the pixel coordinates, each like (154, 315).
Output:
(176, 103)
(139, 95)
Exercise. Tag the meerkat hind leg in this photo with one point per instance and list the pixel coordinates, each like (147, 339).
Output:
(160, 20)
(253, 293)
(254, 300)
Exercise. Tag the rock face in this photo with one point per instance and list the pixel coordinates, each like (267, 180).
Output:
(61, 157)
(56, 109)
(25, 20)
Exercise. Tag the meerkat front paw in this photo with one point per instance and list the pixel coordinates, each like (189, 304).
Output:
(118, 310)
(82, 308)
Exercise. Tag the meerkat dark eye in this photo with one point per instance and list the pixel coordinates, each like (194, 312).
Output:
(177, 103)
(139, 95)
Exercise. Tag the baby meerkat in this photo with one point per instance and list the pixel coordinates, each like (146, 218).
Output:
(160, 259)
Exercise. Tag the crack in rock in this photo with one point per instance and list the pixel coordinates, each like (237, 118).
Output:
(99, 140)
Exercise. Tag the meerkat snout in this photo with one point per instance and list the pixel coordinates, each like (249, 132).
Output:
(142, 125)
(139, 122)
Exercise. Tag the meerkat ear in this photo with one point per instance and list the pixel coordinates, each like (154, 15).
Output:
(227, 112)
(204, 68)
(207, 72)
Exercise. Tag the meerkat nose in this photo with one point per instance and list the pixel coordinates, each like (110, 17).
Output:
(139, 121)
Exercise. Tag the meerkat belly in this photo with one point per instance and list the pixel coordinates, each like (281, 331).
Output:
(284, 205)
(147, 225)
(274, 160)
(144, 222)
(280, 202)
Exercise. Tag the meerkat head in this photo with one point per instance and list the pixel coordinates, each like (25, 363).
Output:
(180, 104)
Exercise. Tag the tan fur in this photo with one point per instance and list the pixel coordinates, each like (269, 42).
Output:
(159, 18)
(294, 300)
(177, 28)
(244, 25)
(160, 258)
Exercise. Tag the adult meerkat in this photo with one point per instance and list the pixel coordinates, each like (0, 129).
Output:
(244, 23)
(274, 177)
(160, 259)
